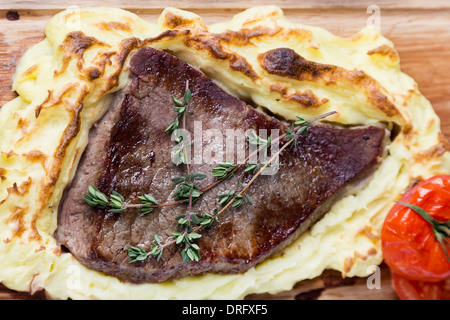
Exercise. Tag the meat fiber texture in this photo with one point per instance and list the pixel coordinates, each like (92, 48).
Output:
(65, 85)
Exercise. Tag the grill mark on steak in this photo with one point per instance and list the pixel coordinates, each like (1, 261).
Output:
(129, 152)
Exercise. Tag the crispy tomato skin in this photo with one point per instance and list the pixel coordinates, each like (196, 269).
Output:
(419, 290)
(408, 243)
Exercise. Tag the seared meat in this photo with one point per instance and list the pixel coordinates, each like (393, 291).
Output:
(129, 152)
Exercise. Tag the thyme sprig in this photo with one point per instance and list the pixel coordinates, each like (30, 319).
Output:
(189, 223)
(295, 132)
(186, 191)
(116, 202)
(180, 108)
(179, 152)
(97, 199)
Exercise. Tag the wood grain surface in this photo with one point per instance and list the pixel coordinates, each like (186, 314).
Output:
(419, 29)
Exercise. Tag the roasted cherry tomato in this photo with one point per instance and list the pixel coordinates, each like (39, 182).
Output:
(416, 246)
(420, 290)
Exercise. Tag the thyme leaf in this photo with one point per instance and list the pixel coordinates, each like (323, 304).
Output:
(136, 254)
(157, 247)
(223, 170)
(257, 141)
(148, 204)
(253, 167)
(97, 199)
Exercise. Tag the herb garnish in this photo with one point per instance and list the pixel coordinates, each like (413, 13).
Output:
(116, 202)
(187, 191)
(223, 170)
(136, 254)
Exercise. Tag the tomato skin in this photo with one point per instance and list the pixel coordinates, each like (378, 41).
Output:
(419, 290)
(408, 243)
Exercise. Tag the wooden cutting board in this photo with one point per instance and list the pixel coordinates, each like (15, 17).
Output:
(419, 29)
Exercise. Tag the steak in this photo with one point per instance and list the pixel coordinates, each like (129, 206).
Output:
(129, 152)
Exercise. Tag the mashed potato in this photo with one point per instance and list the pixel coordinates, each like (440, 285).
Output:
(66, 82)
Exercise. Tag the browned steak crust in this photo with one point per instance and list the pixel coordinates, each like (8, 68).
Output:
(129, 152)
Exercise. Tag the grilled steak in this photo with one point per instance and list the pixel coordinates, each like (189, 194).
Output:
(129, 152)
